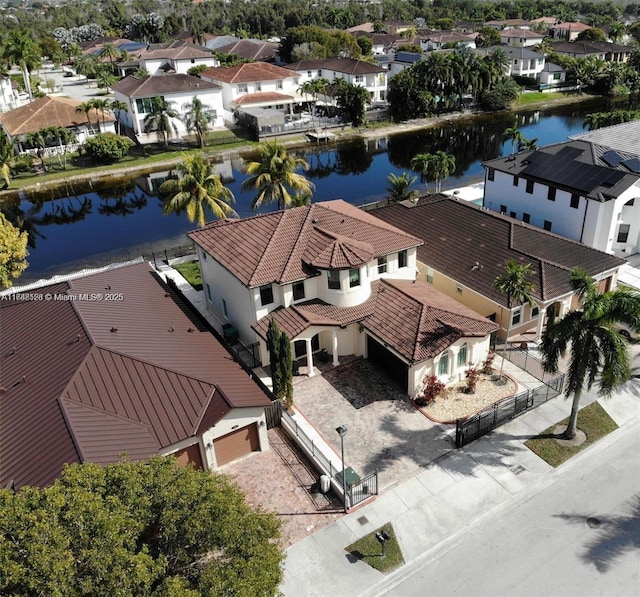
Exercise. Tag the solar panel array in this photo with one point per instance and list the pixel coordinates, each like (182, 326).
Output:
(559, 169)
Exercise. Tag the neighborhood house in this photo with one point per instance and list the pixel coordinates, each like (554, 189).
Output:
(338, 282)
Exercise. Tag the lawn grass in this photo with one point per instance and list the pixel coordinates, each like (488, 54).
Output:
(592, 419)
(539, 96)
(217, 140)
(191, 273)
(369, 550)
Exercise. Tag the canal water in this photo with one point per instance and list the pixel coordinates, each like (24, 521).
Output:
(90, 225)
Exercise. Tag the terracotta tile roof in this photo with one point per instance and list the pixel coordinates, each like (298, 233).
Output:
(259, 98)
(471, 246)
(348, 66)
(274, 247)
(523, 33)
(328, 250)
(161, 84)
(247, 73)
(413, 318)
(88, 379)
(45, 111)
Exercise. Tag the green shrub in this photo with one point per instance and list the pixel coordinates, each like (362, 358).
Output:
(107, 147)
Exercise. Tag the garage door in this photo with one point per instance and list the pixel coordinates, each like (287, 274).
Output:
(190, 455)
(388, 363)
(237, 443)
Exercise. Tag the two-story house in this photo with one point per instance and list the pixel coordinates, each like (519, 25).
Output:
(356, 72)
(465, 249)
(523, 62)
(255, 85)
(340, 281)
(523, 38)
(586, 189)
(568, 30)
(178, 89)
(176, 57)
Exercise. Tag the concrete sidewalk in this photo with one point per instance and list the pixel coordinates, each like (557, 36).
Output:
(437, 507)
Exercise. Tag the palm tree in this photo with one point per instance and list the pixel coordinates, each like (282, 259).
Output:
(106, 79)
(87, 65)
(112, 52)
(19, 48)
(197, 118)
(100, 106)
(85, 108)
(514, 135)
(443, 165)
(525, 144)
(596, 350)
(274, 174)
(160, 119)
(117, 107)
(195, 191)
(399, 187)
(435, 167)
(423, 163)
(518, 290)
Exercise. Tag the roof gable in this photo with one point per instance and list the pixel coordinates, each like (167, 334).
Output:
(272, 247)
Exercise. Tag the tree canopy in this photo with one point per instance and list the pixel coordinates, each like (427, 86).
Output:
(596, 351)
(137, 528)
(13, 252)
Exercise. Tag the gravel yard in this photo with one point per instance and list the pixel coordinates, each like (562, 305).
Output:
(454, 403)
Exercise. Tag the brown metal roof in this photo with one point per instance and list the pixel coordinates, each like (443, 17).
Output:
(80, 377)
(273, 247)
(413, 318)
(471, 245)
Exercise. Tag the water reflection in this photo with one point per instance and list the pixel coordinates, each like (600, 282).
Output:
(128, 220)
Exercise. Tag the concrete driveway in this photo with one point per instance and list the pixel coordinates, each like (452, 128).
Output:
(385, 431)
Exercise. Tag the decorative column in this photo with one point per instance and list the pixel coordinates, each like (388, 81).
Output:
(334, 347)
(540, 323)
(310, 372)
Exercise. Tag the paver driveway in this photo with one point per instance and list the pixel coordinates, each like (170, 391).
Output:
(385, 431)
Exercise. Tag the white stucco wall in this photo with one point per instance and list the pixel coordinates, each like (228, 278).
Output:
(209, 97)
(224, 286)
(593, 223)
(235, 419)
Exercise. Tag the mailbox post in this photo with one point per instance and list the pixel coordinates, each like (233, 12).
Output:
(383, 537)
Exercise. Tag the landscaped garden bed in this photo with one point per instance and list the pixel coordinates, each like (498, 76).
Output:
(455, 403)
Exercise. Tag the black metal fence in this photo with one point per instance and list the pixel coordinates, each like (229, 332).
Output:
(363, 489)
(468, 430)
(528, 362)
(165, 255)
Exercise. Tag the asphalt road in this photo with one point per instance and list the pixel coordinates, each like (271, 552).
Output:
(578, 536)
